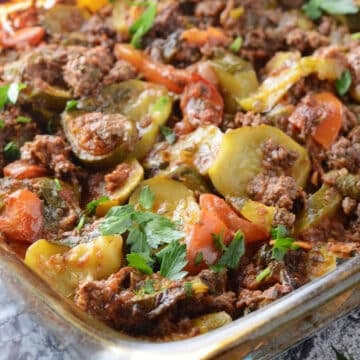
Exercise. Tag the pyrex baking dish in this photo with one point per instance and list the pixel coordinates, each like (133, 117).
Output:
(259, 335)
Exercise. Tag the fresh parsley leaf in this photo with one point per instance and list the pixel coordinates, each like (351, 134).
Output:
(339, 355)
(117, 221)
(141, 262)
(232, 255)
(282, 243)
(160, 230)
(173, 260)
(343, 84)
(263, 274)
(149, 287)
(219, 241)
(314, 8)
(92, 205)
(10, 93)
(168, 134)
(143, 24)
(2, 124)
(188, 288)
(81, 223)
(23, 120)
(199, 258)
(146, 198)
(14, 91)
(58, 186)
(137, 241)
(11, 151)
(71, 105)
(235, 46)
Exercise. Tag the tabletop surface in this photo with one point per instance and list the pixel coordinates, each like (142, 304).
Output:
(21, 337)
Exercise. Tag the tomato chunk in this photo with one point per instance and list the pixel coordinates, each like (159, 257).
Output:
(201, 249)
(214, 204)
(21, 169)
(32, 35)
(22, 218)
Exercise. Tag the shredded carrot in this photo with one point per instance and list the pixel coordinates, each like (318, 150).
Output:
(211, 35)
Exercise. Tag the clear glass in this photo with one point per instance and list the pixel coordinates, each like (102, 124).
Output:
(261, 334)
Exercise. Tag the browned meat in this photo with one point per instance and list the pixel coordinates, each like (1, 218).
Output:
(117, 177)
(353, 58)
(280, 191)
(52, 152)
(209, 8)
(250, 300)
(121, 302)
(121, 71)
(276, 158)
(14, 131)
(86, 68)
(284, 217)
(305, 41)
(346, 152)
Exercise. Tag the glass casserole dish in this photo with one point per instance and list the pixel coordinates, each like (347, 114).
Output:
(267, 330)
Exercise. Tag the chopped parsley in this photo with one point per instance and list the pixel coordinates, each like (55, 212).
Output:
(343, 84)
(188, 288)
(263, 274)
(149, 287)
(71, 105)
(141, 262)
(9, 93)
(147, 197)
(23, 120)
(232, 255)
(173, 260)
(199, 258)
(92, 205)
(314, 8)
(235, 46)
(81, 223)
(219, 241)
(146, 233)
(58, 186)
(282, 243)
(168, 134)
(11, 151)
(143, 24)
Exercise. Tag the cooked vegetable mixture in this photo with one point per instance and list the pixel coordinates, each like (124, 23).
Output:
(173, 165)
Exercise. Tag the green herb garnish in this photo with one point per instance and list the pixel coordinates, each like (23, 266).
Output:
(263, 274)
(92, 205)
(11, 151)
(219, 241)
(9, 93)
(231, 256)
(199, 258)
(235, 46)
(71, 105)
(23, 120)
(2, 124)
(143, 24)
(58, 186)
(314, 8)
(168, 134)
(188, 288)
(173, 260)
(81, 223)
(282, 243)
(141, 262)
(343, 84)
(149, 287)
(146, 198)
